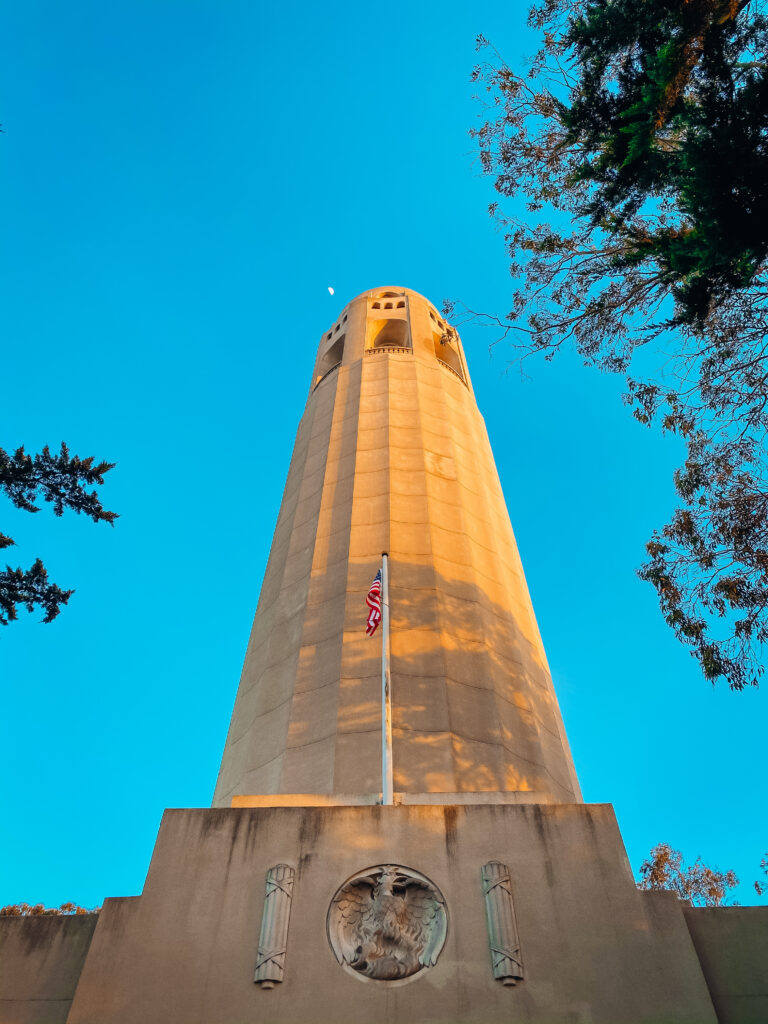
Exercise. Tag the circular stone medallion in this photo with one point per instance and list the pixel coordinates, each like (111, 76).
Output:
(387, 922)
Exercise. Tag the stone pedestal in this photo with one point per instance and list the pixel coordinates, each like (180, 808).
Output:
(594, 948)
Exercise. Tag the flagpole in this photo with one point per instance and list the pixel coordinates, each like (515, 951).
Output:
(387, 794)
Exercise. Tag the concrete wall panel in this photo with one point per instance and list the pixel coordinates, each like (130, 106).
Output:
(594, 948)
(40, 963)
(732, 945)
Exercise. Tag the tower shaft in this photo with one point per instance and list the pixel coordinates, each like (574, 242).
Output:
(392, 455)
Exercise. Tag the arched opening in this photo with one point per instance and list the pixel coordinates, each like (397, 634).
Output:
(388, 334)
(447, 350)
(330, 360)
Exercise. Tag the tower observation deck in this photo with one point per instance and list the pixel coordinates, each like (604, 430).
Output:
(392, 455)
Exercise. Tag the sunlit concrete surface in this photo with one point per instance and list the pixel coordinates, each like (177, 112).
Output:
(392, 455)
(595, 949)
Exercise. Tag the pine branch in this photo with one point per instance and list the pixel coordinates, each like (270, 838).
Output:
(60, 479)
(29, 588)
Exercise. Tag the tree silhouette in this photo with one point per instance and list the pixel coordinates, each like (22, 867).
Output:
(61, 480)
(703, 886)
(638, 137)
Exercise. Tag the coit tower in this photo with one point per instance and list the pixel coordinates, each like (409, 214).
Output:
(468, 884)
(392, 455)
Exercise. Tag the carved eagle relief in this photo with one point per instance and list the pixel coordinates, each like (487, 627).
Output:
(387, 922)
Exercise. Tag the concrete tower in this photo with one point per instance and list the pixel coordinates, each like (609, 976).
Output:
(485, 891)
(392, 455)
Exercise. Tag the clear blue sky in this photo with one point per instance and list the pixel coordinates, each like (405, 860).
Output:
(180, 182)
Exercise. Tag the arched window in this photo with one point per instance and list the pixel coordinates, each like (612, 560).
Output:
(389, 334)
(447, 349)
(330, 360)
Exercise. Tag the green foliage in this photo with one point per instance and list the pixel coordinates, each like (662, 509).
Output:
(638, 137)
(60, 480)
(29, 587)
(703, 886)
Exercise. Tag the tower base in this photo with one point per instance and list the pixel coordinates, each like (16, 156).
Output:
(591, 946)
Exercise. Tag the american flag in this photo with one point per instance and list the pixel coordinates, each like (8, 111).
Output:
(373, 600)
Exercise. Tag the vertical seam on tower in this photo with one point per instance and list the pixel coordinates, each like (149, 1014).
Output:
(270, 572)
(418, 371)
(492, 481)
(354, 605)
(341, 385)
